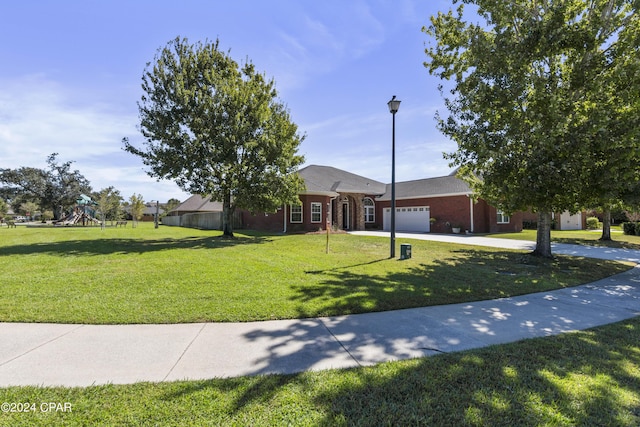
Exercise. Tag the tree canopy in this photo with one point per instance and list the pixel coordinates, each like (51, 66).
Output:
(109, 203)
(136, 207)
(56, 188)
(217, 129)
(540, 101)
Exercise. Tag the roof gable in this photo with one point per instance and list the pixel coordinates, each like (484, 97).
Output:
(429, 187)
(330, 179)
(198, 203)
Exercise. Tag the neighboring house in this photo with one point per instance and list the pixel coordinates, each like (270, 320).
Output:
(348, 201)
(196, 204)
(148, 214)
(561, 221)
(569, 221)
(199, 212)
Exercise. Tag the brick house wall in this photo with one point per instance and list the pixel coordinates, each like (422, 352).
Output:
(452, 211)
(264, 221)
(275, 222)
(347, 212)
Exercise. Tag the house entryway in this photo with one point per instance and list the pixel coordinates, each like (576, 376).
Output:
(413, 219)
(346, 215)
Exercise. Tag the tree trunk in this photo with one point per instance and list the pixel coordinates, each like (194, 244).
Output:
(543, 237)
(227, 216)
(606, 224)
(57, 214)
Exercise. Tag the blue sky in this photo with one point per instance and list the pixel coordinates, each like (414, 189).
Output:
(71, 73)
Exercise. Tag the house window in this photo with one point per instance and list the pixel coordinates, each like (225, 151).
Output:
(296, 213)
(503, 218)
(369, 210)
(316, 212)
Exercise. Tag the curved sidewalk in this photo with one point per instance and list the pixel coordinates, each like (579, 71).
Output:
(83, 355)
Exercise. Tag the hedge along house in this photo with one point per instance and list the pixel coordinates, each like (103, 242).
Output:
(443, 205)
(343, 200)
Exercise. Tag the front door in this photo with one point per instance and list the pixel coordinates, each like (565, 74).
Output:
(345, 215)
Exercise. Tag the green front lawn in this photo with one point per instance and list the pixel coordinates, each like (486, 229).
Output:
(588, 378)
(175, 275)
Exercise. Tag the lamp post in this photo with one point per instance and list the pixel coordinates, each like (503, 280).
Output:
(394, 104)
(155, 217)
(155, 221)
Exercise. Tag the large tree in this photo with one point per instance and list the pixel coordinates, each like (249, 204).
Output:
(614, 117)
(56, 188)
(524, 90)
(217, 129)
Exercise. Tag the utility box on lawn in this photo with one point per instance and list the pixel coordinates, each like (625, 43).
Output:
(405, 251)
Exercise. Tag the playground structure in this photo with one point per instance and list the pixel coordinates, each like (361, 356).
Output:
(83, 213)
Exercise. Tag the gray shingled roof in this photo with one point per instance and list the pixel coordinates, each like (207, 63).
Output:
(197, 203)
(430, 187)
(329, 179)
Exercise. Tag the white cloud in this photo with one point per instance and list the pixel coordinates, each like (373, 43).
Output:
(37, 119)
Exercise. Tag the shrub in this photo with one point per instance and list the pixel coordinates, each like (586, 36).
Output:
(629, 228)
(592, 223)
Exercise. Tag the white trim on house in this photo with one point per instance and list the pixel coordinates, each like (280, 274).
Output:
(471, 203)
(319, 193)
(319, 212)
(501, 218)
(291, 212)
(431, 196)
(369, 210)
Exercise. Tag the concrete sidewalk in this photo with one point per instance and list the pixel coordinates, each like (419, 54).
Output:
(83, 355)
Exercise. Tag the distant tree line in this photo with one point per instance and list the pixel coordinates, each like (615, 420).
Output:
(54, 191)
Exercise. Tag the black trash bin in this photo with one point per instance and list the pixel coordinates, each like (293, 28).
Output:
(405, 251)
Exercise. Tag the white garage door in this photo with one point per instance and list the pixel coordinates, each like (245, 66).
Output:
(570, 222)
(414, 218)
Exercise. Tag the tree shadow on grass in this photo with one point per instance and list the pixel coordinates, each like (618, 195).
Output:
(344, 267)
(471, 275)
(574, 379)
(613, 244)
(584, 378)
(104, 246)
(525, 382)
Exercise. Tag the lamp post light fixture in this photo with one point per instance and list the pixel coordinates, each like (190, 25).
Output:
(394, 105)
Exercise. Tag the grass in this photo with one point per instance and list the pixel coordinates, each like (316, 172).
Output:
(125, 275)
(584, 378)
(580, 237)
(176, 275)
